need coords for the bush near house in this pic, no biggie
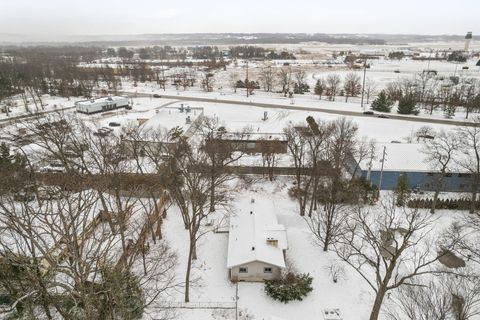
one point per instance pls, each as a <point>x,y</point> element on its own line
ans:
<point>448,204</point>
<point>290,287</point>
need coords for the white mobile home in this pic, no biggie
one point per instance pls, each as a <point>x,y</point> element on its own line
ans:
<point>256,246</point>
<point>101,104</point>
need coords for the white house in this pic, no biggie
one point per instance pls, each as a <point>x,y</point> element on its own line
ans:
<point>101,104</point>
<point>256,246</point>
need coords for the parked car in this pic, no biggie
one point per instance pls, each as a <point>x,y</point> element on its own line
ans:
<point>114,124</point>
<point>129,107</point>
<point>370,113</point>
<point>383,116</point>
<point>157,96</point>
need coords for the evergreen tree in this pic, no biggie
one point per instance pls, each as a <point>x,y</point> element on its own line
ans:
<point>6,158</point>
<point>402,191</point>
<point>290,287</point>
<point>382,103</point>
<point>320,88</point>
<point>407,104</point>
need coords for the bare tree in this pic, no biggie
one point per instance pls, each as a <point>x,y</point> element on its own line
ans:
<point>469,137</point>
<point>389,248</point>
<point>333,83</point>
<point>234,78</point>
<point>352,85</point>
<point>285,79</point>
<point>370,89</point>
<point>422,302</point>
<point>189,184</point>
<point>297,136</point>
<point>220,153</point>
<point>208,81</point>
<point>440,153</point>
<point>443,297</point>
<point>267,77</point>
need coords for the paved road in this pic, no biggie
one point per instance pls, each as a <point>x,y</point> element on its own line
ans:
<point>306,108</point>
<point>4,122</point>
<point>7,121</point>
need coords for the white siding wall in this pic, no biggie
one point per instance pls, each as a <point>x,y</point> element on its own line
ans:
<point>255,272</point>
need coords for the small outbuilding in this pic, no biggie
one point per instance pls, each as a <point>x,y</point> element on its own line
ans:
<point>257,246</point>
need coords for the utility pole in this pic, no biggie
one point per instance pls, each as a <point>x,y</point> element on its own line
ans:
<point>372,155</point>
<point>236,301</point>
<point>363,86</point>
<point>381,170</point>
<point>246,80</point>
<point>163,78</point>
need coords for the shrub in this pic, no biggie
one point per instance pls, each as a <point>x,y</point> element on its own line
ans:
<point>447,204</point>
<point>290,287</point>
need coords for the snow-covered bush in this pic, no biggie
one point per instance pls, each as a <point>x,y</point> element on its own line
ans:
<point>290,287</point>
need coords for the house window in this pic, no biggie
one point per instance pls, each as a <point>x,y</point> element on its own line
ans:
<point>243,270</point>
<point>272,242</point>
<point>267,270</point>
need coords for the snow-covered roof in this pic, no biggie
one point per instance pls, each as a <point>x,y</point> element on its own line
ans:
<point>401,157</point>
<point>254,136</point>
<point>101,100</point>
<point>248,235</point>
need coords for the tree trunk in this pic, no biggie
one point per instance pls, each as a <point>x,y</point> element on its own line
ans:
<point>377,305</point>
<point>212,194</point>
<point>187,275</point>
<point>326,242</point>
<point>437,192</point>
<point>473,204</point>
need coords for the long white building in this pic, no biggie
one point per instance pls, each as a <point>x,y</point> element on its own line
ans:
<point>101,104</point>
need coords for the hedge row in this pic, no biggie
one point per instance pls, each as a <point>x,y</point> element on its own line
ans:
<point>450,204</point>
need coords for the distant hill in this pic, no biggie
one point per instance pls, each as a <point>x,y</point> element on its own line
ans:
<point>222,39</point>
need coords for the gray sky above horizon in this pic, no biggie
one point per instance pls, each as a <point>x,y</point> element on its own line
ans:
<point>101,17</point>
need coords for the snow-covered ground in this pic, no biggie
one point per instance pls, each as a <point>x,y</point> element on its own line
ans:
<point>350,294</point>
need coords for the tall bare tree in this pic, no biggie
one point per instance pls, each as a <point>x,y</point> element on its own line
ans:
<point>333,83</point>
<point>352,85</point>
<point>469,137</point>
<point>440,154</point>
<point>389,248</point>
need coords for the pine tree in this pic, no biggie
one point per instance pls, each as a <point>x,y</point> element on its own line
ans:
<point>407,104</point>
<point>320,88</point>
<point>402,191</point>
<point>382,103</point>
<point>5,157</point>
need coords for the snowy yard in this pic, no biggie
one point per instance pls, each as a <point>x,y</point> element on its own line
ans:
<point>350,294</point>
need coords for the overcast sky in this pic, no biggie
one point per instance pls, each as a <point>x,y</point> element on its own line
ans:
<point>100,17</point>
